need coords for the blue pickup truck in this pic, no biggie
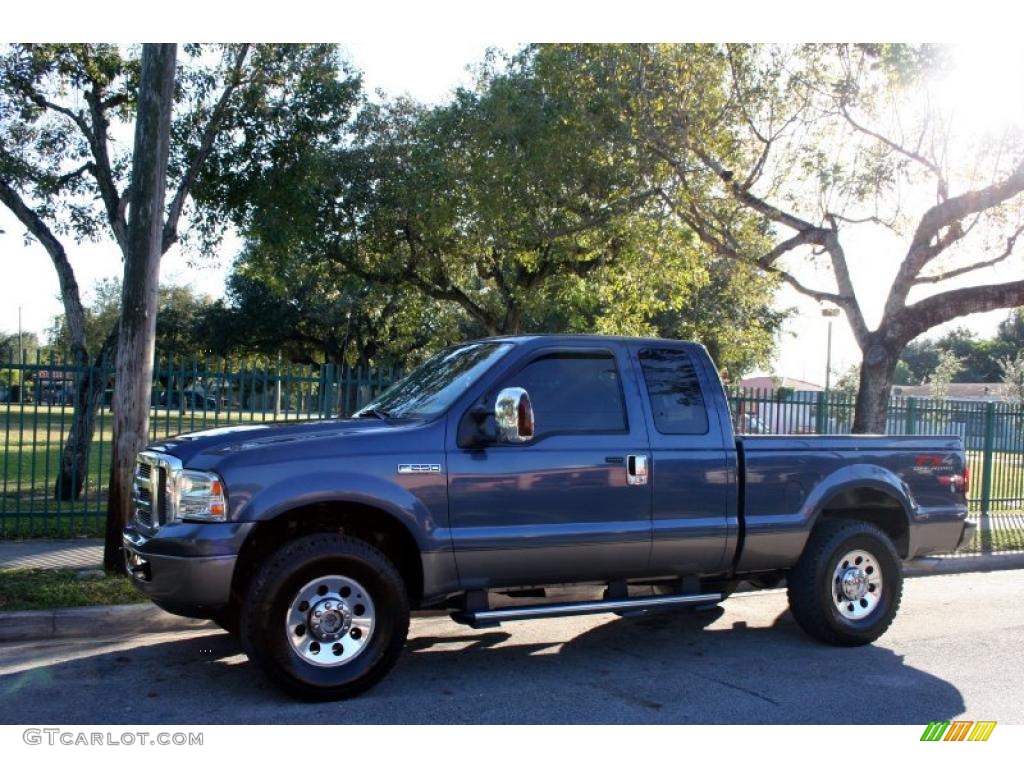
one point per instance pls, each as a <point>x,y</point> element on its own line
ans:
<point>521,478</point>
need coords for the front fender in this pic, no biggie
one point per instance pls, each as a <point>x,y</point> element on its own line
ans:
<point>303,490</point>
<point>421,508</point>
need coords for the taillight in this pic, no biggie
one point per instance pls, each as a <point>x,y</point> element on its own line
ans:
<point>961,483</point>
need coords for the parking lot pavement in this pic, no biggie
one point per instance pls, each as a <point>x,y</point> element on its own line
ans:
<point>955,651</point>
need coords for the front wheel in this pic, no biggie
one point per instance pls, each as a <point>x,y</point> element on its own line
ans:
<point>326,616</point>
<point>846,587</point>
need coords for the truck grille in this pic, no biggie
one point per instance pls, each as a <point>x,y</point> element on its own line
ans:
<point>152,488</point>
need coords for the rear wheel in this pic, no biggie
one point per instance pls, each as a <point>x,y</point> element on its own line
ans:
<point>326,616</point>
<point>847,585</point>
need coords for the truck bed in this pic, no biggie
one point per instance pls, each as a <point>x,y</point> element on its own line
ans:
<point>906,483</point>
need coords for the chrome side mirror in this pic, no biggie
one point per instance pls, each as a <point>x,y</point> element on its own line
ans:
<point>513,415</point>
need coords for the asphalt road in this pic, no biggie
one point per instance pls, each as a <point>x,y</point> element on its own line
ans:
<point>956,650</point>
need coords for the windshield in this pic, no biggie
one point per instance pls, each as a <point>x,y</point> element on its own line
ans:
<point>429,389</point>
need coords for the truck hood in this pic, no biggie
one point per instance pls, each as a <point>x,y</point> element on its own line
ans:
<point>226,441</point>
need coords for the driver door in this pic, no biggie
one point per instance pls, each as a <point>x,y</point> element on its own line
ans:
<point>563,506</point>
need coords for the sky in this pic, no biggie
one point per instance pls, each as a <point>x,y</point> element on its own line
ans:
<point>427,71</point>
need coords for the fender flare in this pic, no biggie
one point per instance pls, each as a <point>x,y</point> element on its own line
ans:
<point>342,487</point>
<point>853,477</point>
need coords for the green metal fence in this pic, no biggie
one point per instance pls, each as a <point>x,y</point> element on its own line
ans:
<point>36,408</point>
<point>36,413</point>
<point>992,434</point>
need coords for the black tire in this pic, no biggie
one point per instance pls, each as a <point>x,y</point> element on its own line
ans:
<point>228,619</point>
<point>270,596</point>
<point>816,597</point>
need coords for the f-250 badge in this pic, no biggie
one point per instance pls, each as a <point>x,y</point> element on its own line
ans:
<point>418,469</point>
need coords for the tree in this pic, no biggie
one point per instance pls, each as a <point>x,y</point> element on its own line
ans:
<point>10,345</point>
<point>16,350</point>
<point>808,145</point>
<point>99,319</point>
<point>180,311</point>
<point>1013,375</point>
<point>239,109</point>
<point>519,203</point>
<point>498,201</point>
<point>143,247</point>
<point>979,358</point>
<point>847,383</point>
<point>946,369</point>
<point>281,301</point>
<point>1011,330</point>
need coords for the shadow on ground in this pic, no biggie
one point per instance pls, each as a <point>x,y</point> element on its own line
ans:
<point>666,668</point>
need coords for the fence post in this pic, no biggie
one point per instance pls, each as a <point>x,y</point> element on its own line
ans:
<point>911,415</point>
<point>821,422</point>
<point>323,398</point>
<point>277,388</point>
<point>986,466</point>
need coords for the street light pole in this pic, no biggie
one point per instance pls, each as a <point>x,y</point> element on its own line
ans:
<point>829,312</point>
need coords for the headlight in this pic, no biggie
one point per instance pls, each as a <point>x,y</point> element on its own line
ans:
<point>201,496</point>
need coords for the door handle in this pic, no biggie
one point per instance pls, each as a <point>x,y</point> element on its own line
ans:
<point>636,469</point>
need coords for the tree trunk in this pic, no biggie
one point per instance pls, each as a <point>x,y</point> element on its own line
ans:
<point>137,333</point>
<point>74,458</point>
<point>876,374</point>
<point>88,395</point>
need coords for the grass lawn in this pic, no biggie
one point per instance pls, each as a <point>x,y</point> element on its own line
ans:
<point>26,589</point>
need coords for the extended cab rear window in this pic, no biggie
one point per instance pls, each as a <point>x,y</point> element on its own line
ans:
<point>674,391</point>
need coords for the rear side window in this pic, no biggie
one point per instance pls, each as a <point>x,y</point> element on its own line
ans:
<point>676,399</point>
<point>573,392</point>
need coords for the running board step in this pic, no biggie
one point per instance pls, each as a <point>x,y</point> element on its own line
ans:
<point>635,605</point>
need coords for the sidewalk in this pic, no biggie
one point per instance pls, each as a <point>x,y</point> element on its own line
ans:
<point>78,554</point>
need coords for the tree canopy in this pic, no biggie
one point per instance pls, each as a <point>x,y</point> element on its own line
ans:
<point>518,206</point>
<point>775,154</point>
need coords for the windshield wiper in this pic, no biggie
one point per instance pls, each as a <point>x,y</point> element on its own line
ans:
<point>376,413</point>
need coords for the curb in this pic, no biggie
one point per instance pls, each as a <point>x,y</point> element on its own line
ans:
<point>112,621</point>
<point>108,621</point>
<point>939,566</point>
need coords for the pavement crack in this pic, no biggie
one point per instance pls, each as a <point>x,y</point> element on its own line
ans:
<point>739,688</point>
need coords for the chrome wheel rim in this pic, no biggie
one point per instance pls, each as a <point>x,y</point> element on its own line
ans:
<point>330,621</point>
<point>856,585</point>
